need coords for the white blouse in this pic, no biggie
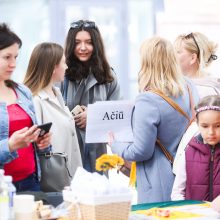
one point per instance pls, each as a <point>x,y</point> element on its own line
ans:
<point>179,185</point>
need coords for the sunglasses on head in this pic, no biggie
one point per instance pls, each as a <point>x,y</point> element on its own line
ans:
<point>212,57</point>
<point>192,36</point>
<point>83,24</point>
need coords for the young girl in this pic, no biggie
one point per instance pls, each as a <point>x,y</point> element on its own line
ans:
<point>198,176</point>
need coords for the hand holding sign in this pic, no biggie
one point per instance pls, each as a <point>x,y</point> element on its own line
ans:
<point>106,116</point>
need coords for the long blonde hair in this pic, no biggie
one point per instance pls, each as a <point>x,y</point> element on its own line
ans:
<point>199,44</point>
<point>43,61</point>
<point>159,68</point>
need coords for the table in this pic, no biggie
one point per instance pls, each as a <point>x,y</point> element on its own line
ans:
<point>182,209</point>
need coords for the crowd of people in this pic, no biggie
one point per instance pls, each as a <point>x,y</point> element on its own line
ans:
<point>176,119</point>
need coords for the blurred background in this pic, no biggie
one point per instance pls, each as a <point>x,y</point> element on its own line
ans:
<point>124,25</point>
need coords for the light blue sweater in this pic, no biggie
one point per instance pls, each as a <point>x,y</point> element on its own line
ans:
<point>155,118</point>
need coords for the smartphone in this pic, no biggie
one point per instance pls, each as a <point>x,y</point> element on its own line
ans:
<point>77,109</point>
<point>45,128</point>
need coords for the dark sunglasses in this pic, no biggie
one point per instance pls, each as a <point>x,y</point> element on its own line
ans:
<point>83,24</point>
<point>192,36</point>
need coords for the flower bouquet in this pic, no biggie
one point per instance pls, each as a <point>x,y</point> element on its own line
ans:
<point>107,162</point>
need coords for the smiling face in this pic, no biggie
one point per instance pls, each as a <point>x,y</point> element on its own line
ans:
<point>84,47</point>
<point>209,126</point>
<point>8,57</point>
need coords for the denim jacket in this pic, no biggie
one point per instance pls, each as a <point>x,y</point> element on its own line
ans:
<point>24,100</point>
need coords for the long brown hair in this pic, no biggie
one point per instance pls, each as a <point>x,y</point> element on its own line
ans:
<point>43,61</point>
<point>97,65</point>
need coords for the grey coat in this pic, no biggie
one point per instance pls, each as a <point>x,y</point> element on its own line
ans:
<point>85,92</point>
<point>155,118</point>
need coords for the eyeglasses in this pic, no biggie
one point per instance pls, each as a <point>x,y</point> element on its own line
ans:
<point>83,24</point>
<point>192,36</point>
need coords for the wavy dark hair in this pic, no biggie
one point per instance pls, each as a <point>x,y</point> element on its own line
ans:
<point>8,38</point>
<point>97,64</point>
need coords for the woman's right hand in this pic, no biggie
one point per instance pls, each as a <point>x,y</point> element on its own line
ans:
<point>111,138</point>
<point>23,137</point>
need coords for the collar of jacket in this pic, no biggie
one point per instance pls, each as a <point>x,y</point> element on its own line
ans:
<point>44,96</point>
<point>90,81</point>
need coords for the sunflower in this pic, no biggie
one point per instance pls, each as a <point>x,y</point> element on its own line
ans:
<point>106,162</point>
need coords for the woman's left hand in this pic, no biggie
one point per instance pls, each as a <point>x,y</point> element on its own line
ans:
<point>44,141</point>
<point>81,118</point>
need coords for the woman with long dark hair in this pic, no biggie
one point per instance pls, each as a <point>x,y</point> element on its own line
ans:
<point>89,78</point>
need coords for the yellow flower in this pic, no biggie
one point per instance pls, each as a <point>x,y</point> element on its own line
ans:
<point>106,162</point>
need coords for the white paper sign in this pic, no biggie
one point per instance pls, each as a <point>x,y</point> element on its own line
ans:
<point>106,116</point>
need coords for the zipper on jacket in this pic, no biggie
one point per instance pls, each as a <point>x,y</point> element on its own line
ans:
<point>211,174</point>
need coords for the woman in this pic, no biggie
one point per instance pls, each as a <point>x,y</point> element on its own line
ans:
<point>196,53</point>
<point>155,119</point>
<point>89,78</point>
<point>40,77</point>
<point>17,120</point>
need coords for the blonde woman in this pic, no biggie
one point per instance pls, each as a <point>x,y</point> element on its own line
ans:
<point>196,53</point>
<point>46,67</point>
<point>155,119</point>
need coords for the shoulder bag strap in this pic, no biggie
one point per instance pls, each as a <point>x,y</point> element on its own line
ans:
<point>172,103</point>
<point>180,110</point>
<point>165,151</point>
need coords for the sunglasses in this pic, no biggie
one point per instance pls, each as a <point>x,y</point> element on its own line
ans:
<point>83,24</point>
<point>192,36</point>
<point>212,57</point>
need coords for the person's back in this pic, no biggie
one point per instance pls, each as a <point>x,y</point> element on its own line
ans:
<point>154,118</point>
<point>169,126</point>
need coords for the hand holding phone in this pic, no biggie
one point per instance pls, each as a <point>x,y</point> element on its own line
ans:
<point>45,128</point>
<point>77,110</point>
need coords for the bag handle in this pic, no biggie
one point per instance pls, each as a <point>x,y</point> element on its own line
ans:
<point>181,111</point>
<point>51,153</point>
